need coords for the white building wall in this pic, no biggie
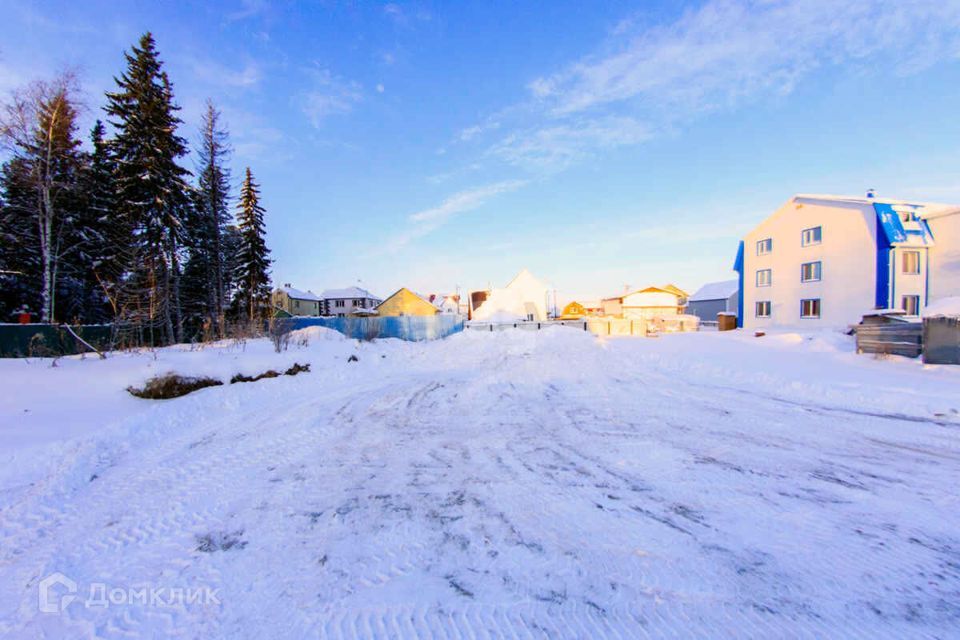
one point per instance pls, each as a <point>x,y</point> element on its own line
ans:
<point>945,256</point>
<point>847,254</point>
<point>905,284</point>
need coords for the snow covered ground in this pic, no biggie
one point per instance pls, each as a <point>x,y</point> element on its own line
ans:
<point>506,484</point>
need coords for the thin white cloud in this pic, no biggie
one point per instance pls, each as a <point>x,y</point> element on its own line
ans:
<point>428,220</point>
<point>730,50</point>
<point>647,79</point>
<point>644,80</point>
<point>557,146</point>
<point>248,9</point>
<point>465,201</point>
<point>330,96</point>
<point>469,133</point>
<point>214,73</point>
<point>405,17</point>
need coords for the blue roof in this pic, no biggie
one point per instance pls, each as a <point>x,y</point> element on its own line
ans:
<point>888,219</point>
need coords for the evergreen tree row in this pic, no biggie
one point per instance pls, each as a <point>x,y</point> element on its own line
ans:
<point>120,233</point>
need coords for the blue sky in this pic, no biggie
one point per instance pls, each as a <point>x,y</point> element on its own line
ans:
<point>434,145</point>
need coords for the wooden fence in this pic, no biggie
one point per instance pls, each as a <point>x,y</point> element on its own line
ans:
<point>901,339</point>
<point>941,340</point>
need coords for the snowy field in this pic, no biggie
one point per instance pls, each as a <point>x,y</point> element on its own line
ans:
<point>509,484</point>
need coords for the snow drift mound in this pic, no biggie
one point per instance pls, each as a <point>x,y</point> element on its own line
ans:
<point>316,334</point>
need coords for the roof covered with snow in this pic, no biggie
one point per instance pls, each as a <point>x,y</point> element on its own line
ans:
<point>297,294</point>
<point>715,291</point>
<point>349,292</point>
<point>943,307</point>
<point>931,209</point>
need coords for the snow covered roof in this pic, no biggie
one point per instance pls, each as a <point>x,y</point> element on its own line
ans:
<point>672,288</point>
<point>297,294</point>
<point>927,209</point>
<point>525,279</point>
<point>715,291</point>
<point>949,306</point>
<point>349,292</point>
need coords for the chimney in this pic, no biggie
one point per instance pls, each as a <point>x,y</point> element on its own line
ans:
<point>871,193</point>
<point>286,285</point>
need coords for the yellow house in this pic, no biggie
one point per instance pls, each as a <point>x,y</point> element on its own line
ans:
<point>406,303</point>
<point>573,311</point>
<point>680,293</point>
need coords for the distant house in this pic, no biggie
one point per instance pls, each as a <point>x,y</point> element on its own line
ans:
<point>682,296</point>
<point>406,303</point>
<point>445,302</point>
<point>524,298</point>
<point>592,307</point>
<point>344,302</point>
<point>296,302</point>
<point>573,311</point>
<point>714,298</point>
<point>652,302</point>
<point>581,309</point>
<point>826,260</point>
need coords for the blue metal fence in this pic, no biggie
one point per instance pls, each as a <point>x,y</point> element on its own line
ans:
<point>413,328</point>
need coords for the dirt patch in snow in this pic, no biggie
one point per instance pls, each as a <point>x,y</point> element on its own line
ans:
<point>172,385</point>
<point>270,373</point>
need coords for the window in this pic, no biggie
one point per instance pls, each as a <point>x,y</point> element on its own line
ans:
<point>810,272</point>
<point>358,303</point>
<point>911,305</point>
<point>810,308</point>
<point>296,304</point>
<point>911,262</point>
<point>339,303</point>
<point>763,308</point>
<point>811,236</point>
<point>764,278</point>
<point>764,246</point>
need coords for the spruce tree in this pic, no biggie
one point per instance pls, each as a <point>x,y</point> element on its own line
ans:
<point>19,244</point>
<point>152,194</point>
<point>212,213</point>
<point>109,236</point>
<point>253,264</point>
<point>99,260</point>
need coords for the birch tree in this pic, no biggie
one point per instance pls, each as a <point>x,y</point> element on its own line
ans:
<point>38,127</point>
